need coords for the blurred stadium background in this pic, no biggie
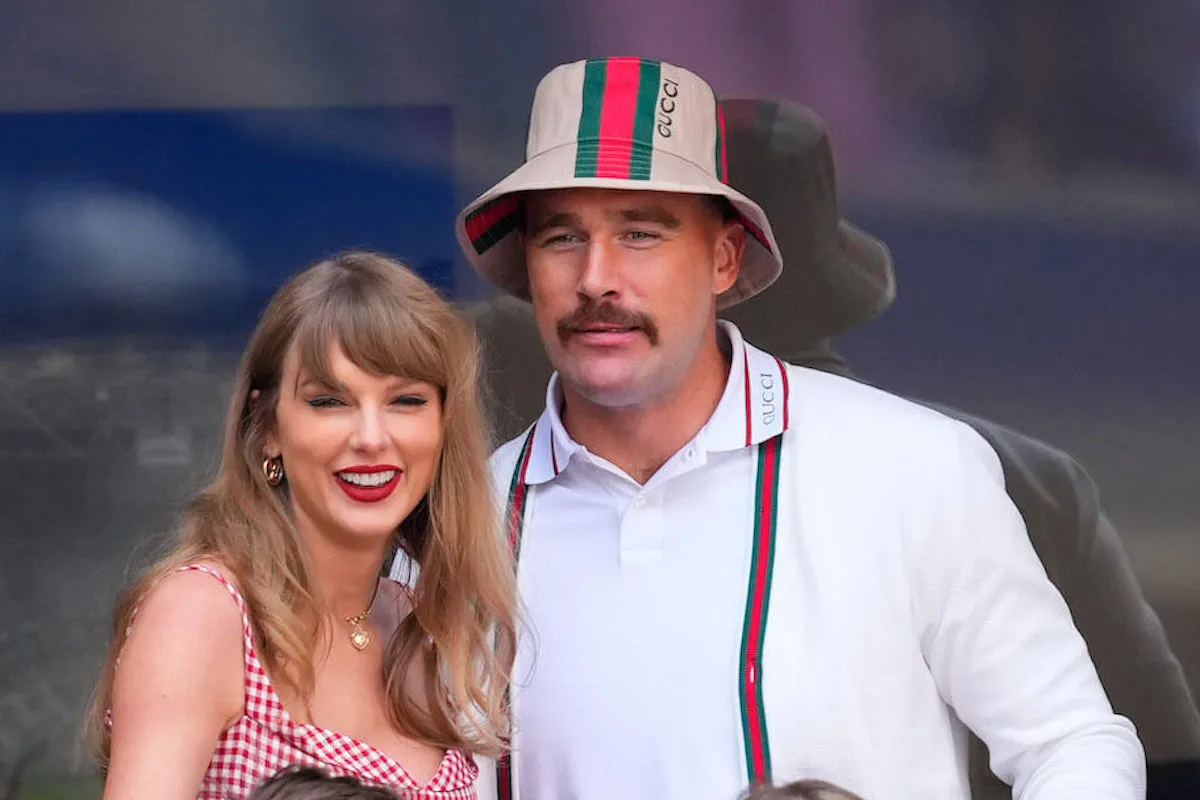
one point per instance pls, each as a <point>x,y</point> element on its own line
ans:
<point>1035,168</point>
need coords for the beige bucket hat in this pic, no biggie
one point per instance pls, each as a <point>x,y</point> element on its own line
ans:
<point>616,123</point>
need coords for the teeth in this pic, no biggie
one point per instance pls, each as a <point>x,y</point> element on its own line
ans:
<point>368,478</point>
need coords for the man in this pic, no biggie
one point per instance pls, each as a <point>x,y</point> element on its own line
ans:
<point>837,277</point>
<point>736,570</point>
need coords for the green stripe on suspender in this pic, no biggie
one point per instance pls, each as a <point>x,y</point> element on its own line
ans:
<point>756,740</point>
<point>758,596</point>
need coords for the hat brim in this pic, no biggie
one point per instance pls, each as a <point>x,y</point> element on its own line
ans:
<point>865,277</point>
<point>487,227</point>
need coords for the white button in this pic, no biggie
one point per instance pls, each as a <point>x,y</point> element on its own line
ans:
<point>639,501</point>
<point>689,453</point>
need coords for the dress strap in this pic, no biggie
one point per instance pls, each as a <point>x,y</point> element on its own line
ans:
<point>247,628</point>
<point>263,703</point>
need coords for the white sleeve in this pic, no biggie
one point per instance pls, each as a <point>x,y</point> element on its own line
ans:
<point>1001,645</point>
<point>405,569</point>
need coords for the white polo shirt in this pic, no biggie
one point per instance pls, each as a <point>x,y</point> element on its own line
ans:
<point>903,581</point>
<point>635,597</point>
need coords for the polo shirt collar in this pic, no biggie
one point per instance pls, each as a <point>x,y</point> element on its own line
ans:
<point>754,406</point>
<point>552,446</point>
<point>752,409</point>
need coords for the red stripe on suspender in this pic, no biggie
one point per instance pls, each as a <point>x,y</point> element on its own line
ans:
<point>783,372</point>
<point>749,426</point>
<point>755,734</point>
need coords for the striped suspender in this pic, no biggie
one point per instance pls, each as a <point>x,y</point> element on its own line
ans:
<point>518,491</point>
<point>758,598</point>
<point>754,724</point>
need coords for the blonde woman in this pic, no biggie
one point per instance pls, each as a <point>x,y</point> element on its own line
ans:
<point>267,638</point>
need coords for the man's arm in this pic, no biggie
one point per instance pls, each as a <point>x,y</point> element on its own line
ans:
<point>1136,665</point>
<point>1002,647</point>
<point>1085,559</point>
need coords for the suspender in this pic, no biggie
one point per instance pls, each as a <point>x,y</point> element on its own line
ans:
<point>758,599</point>
<point>758,595</point>
<point>518,491</point>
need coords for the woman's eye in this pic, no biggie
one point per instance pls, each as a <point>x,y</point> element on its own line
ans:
<point>411,400</point>
<point>325,402</point>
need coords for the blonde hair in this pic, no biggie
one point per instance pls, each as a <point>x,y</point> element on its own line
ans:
<point>389,322</point>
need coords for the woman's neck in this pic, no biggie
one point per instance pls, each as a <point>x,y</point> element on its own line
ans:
<point>346,578</point>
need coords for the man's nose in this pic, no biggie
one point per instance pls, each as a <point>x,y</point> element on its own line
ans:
<point>601,270</point>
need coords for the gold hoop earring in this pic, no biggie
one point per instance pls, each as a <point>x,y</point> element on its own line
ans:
<point>273,470</point>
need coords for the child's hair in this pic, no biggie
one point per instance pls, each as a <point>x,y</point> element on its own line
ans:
<point>308,783</point>
<point>802,790</point>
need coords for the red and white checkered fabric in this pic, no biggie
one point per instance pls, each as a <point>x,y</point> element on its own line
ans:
<point>267,739</point>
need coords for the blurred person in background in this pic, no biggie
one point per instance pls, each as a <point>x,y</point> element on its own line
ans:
<point>735,569</point>
<point>836,277</point>
<point>267,637</point>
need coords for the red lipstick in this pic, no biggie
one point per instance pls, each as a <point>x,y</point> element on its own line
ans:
<point>369,484</point>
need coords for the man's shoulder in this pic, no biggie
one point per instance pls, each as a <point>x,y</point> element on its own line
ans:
<point>1014,446</point>
<point>836,400</point>
<point>875,427</point>
<point>1039,476</point>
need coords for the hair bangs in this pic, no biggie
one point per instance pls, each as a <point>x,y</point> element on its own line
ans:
<point>375,330</point>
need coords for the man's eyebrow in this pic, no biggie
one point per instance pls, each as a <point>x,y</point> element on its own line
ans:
<point>557,219</point>
<point>654,214</point>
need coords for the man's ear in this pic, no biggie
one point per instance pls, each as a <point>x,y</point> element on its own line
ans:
<point>729,248</point>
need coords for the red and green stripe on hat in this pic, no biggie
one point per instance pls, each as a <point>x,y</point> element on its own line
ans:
<point>624,101</point>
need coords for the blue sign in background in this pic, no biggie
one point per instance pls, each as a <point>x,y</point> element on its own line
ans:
<point>182,223</point>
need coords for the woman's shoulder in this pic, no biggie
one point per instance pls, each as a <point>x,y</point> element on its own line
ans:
<point>183,649</point>
<point>197,602</point>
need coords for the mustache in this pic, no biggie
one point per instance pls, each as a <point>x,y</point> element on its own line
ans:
<point>606,313</point>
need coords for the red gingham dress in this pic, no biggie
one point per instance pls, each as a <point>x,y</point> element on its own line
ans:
<point>266,739</point>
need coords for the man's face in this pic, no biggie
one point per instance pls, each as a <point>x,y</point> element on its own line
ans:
<point>624,286</point>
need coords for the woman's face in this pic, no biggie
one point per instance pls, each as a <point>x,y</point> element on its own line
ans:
<point>358,455</point>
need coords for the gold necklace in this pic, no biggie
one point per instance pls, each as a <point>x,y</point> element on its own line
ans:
<point>360,635</point>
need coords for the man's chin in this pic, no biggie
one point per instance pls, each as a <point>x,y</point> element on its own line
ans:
<point>610,391</point>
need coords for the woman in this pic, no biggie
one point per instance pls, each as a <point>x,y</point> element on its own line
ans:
<point>267,638</point>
